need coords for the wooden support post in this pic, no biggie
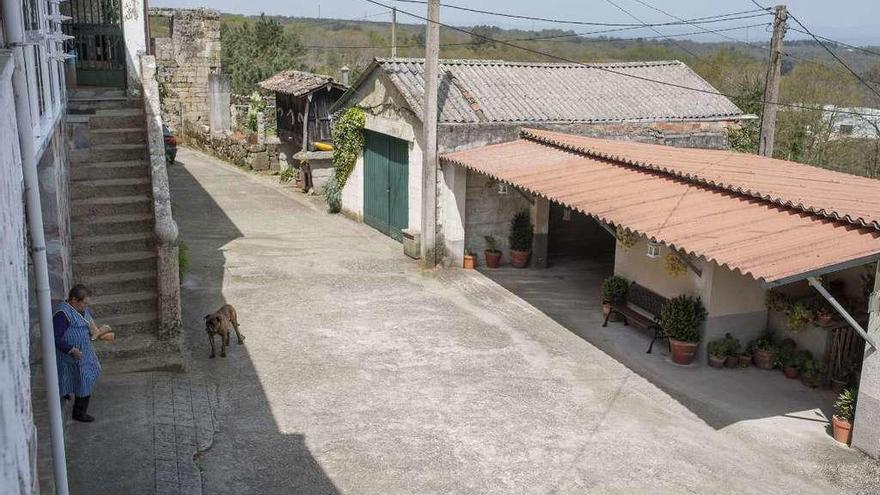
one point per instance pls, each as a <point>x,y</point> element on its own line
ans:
<point>771,84</point>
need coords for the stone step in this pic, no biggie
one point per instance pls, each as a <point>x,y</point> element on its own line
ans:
<point>80,103</point>
<point>85,93</point>
<point>114,243</point>
<point>108,153</point>
<point>110,170</point>
<point>124,303</point>
<point>131,323</point>
<point>115,119</point>
<point>138,353</point>
<point>119,205</point>
<point>113,224</point>
<point>99,264</point>
<point>107,188</point>
<point>115,283</point>
<point>126,135</point>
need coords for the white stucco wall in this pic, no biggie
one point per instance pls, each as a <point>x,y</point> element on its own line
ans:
<point>135,35</point>
<point>17,463</point>
<point>635,265</point>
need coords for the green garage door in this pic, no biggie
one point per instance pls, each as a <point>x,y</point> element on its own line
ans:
<point>386,179</point>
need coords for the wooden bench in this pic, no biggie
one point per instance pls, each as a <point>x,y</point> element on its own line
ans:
<point>647,315</point>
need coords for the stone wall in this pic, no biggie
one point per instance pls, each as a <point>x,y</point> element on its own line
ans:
<point>234,148</point>
<point>17,456</point>
<point>184,62</point>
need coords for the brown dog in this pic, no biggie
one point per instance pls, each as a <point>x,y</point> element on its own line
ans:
<point>218,323</point>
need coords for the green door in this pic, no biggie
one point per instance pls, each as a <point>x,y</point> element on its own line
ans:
<point>386,179</point>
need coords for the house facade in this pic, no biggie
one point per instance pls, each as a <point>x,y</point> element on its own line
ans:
<point>488,101</point>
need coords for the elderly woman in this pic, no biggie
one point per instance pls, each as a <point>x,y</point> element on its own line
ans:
<point>78,366</point>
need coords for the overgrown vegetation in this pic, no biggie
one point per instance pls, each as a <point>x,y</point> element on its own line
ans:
<point>254,50</point>
<point>681,318</point>
<point>348,142</point>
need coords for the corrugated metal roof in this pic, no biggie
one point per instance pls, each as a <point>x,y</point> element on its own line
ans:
<point>297,83</point>
<point>474,91</point>
<point>836,195</point>
<point>771,242</point>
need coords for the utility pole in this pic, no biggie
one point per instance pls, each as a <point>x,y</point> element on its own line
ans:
<point>429,124</point>
<point>393,32</point>
<point>771,84</point>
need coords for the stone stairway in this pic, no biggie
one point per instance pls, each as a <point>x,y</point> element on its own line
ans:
<point>114,245</point>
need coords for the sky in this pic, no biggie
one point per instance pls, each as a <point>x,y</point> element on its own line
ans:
<point>850,21</point>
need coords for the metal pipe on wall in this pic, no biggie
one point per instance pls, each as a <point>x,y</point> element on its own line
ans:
<point>13,31</point>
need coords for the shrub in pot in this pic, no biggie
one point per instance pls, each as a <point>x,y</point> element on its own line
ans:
<point>792,365</point>
<point>785,353</point>
<point>844,413</point>
<point>492,253</point>
<point>614,290</point>
<point>732,349</point>
<point>799,316</point>
<point>520,238</point>
<point>717,350</point>
<point>681,318</point>
<point>763,351</point>
<point>745,359</point>
<point>811,371</point>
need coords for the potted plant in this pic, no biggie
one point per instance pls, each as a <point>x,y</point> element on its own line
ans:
<point>763,351</point>
<point>745,359</point>
<point>777,301</point>
<point>681,318</point>
<point>717,350</point>
<point>520,239</point>
<point>844,413</point>
<point>613,292</point>
<point>811,371</point>
<point>785,351</point>
<point>492,253</point>
<point>823,316</point>
<point>793,364</point>
<point>799,316</point>
<point>732,350</point>
<point>470,260</point>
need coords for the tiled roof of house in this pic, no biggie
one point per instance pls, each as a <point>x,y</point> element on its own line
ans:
<point>473,91</point>
<point>765,218</point>
<point>297,83</point>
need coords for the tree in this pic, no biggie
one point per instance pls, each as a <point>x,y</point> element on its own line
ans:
<point>484,37</point>
<point>254,51</point>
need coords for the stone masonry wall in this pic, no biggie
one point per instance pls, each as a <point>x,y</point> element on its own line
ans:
<point>184,61</point>
<point>18,454</point>
<point>233,148</point>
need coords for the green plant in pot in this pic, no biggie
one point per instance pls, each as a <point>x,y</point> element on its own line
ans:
<point>717,350</point>
<point>799,316</point>
<point>614,290</point>
<point>785,353</point>
<point>763,351</point>
<point>520,238</point>
<point>732,351</point>
<point>681,318</point>
<point>492,253</point>
<point>811,372</point>
<point>844,413</point>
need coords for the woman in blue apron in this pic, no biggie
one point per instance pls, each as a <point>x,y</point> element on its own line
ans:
<point>78,366</point>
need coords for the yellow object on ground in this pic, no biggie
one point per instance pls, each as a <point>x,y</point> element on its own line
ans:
<point>323,146</point>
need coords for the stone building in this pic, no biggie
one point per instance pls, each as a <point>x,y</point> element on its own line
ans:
<point>187,53</point>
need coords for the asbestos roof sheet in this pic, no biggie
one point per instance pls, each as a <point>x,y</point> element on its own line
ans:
<point>770,242</point>
<point>473,91</point>
<point>297,83</point>
<point>836,195</point>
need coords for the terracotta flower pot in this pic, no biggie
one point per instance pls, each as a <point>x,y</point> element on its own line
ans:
<point>470,262</point>
<point>842,430</point>
<point>790,372</point>
<point>745,360</point>
<point>763,359</point>
<point>683,352</point>
<point>519,259</point>
<point>716,362</point>
<point>731,362</point>
<point>493,258</point>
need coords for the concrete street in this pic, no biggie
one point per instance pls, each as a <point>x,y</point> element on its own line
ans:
<point>362,374</point>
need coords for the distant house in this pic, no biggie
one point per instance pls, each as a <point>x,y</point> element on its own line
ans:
<point>303,102</point>
<point>489,101</point>
<point>852,122</point>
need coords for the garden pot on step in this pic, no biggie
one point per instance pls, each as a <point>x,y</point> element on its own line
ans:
<point>519,259</point>
<point>790,372</point>
<point>716,362</point>
<point>763,359</point>
<point>842,430</point>
<point>493,258</point>
<point>470,262</point>
<point>731,362</point>
<point>683,352</point>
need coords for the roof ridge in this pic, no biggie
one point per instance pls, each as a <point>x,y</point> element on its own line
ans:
<point>531,134</point>
<point>516,63</point>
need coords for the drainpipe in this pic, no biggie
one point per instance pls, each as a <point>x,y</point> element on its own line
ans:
<point>13,30</point>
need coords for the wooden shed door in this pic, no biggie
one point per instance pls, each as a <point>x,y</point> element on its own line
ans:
<point>386,179</point>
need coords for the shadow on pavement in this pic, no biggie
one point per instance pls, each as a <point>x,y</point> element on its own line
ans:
<point>246,422</point>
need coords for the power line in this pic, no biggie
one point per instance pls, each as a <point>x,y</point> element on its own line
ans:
<point>831,52</point>
<point>680,46</point>
<point>555,38</point>
<point>854,47</point>
<point>600,68</point>
<point>707,19</point>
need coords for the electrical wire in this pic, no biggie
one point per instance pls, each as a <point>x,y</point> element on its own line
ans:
<point>679,45</point>
<point>854,47</point>
<point>600,68</point>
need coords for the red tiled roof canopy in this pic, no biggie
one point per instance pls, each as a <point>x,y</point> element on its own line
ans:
<point>775,242</point>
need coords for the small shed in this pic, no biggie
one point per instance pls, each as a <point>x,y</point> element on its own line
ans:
<point>303,101</point>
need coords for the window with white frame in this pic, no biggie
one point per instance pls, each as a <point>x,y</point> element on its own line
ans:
<point>43,74</point>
